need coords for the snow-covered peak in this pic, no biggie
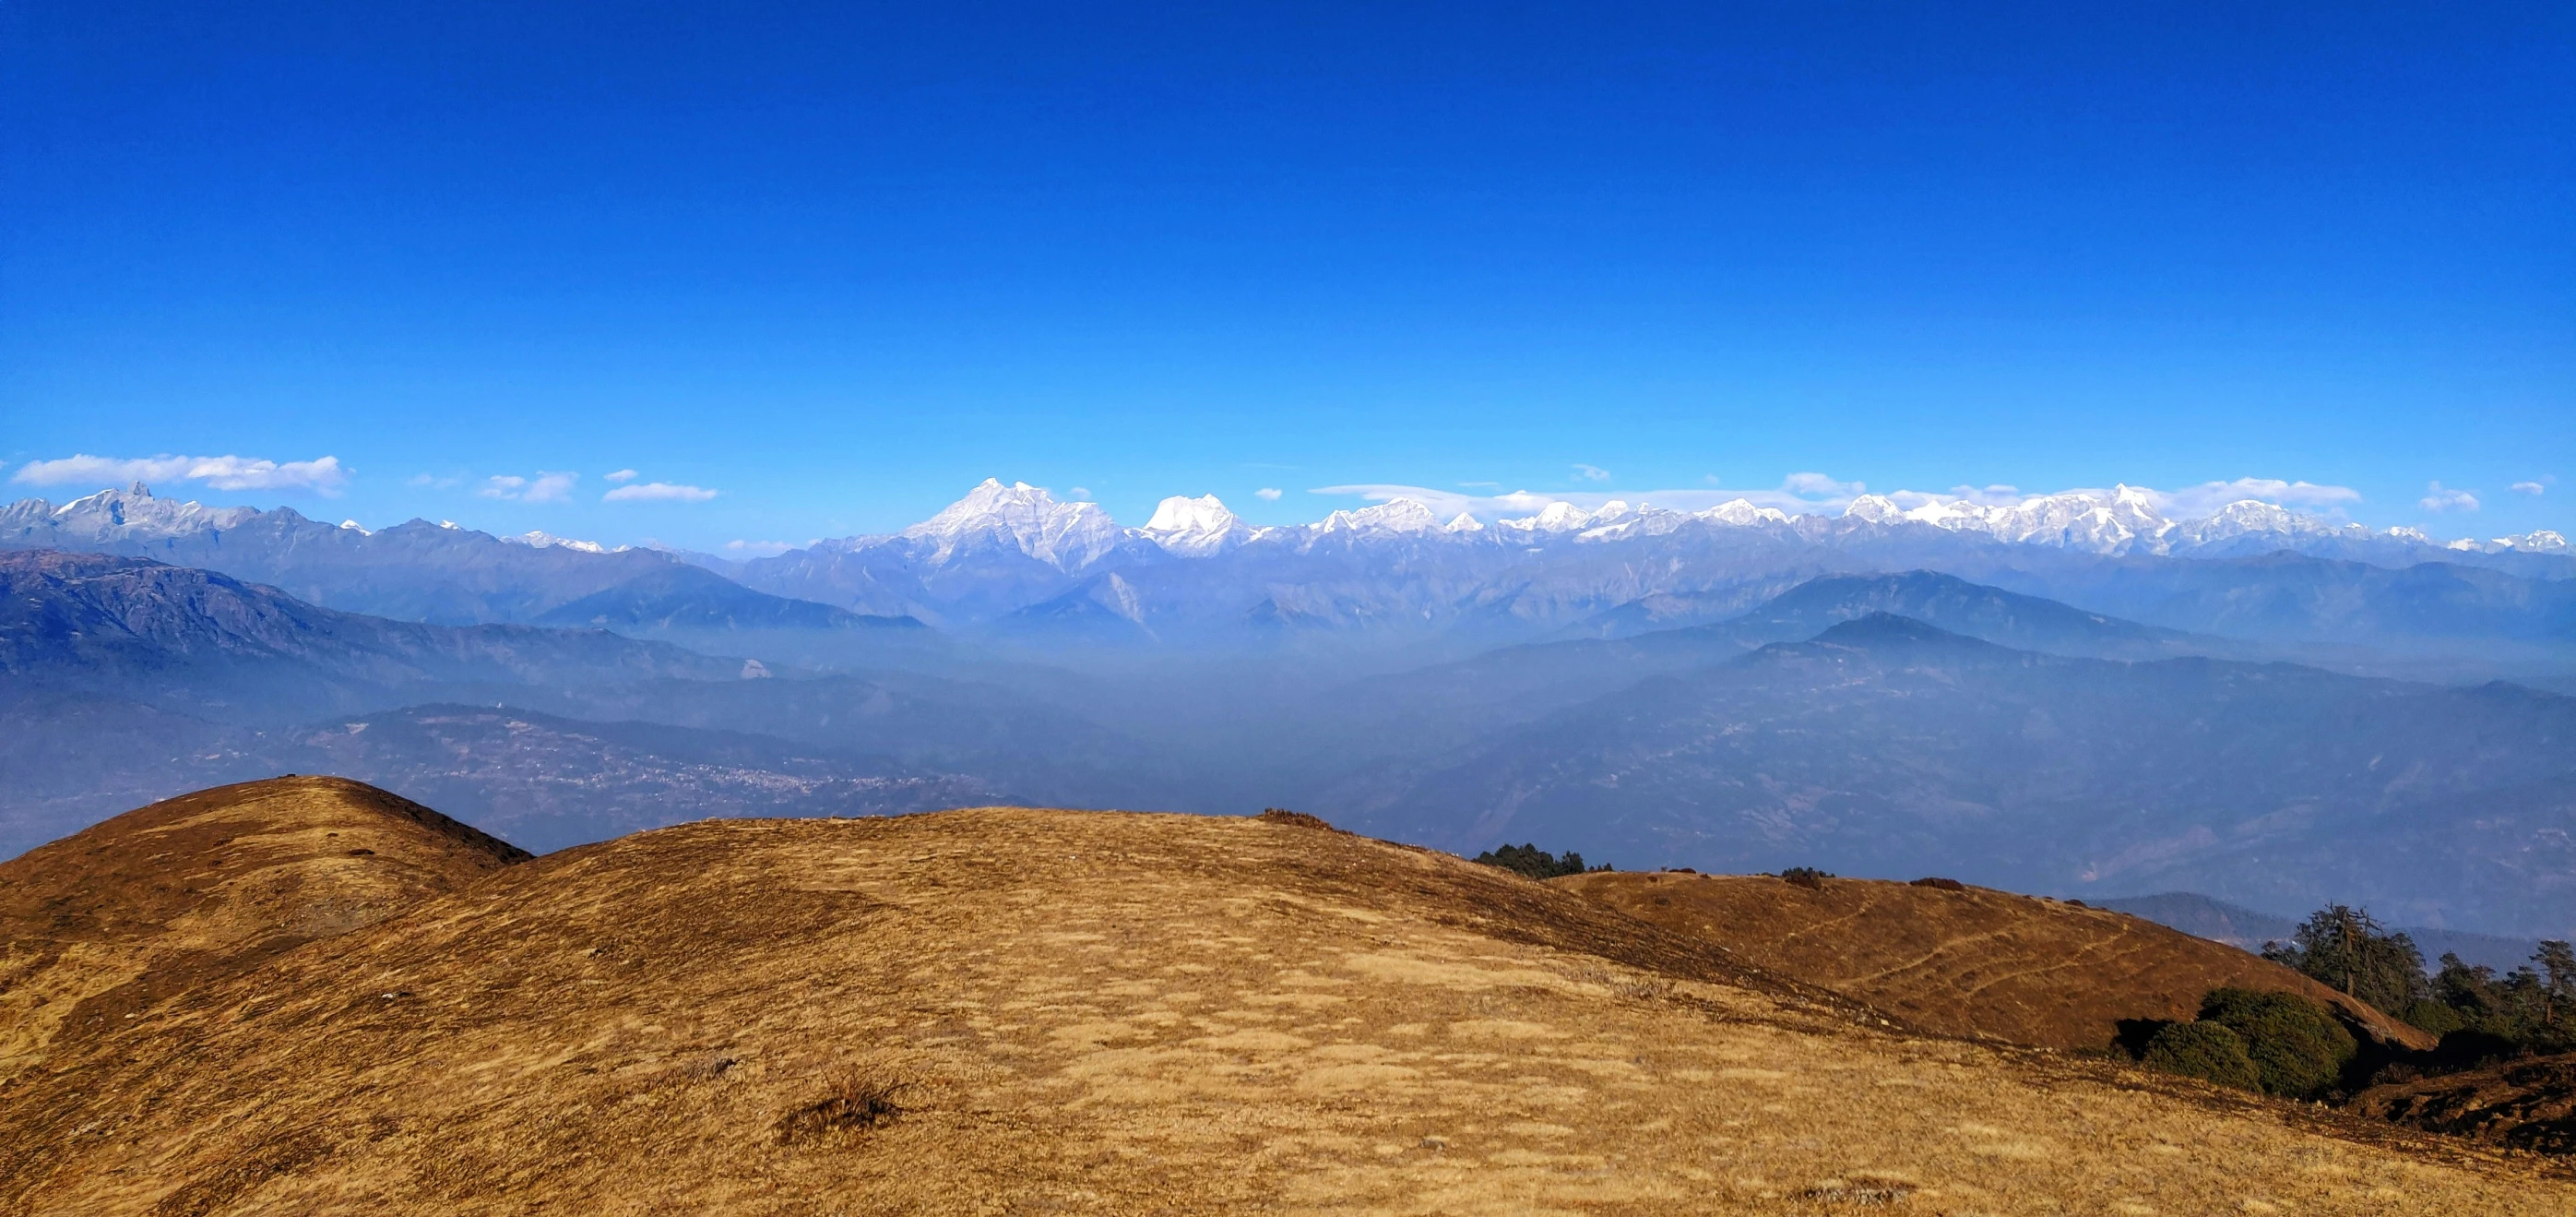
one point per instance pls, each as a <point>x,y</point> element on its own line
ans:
<point>1400,516</point>
<point>1465,523</point>
<point>1194,527</point>
<point>1180,513</point>
<point>536,539</point>
<point>1742,512</point>
<point>1019,516</point>
<point>135,514</point>
<point>2541,542</point>
<point>2252,517</point>
<point>1875,508</point>
<point>1559,516</point>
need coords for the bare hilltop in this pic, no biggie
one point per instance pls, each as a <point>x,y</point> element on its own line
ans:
<point>1005,1010</point>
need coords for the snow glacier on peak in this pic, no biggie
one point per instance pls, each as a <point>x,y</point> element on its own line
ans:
<point>1067,536</point>
<point>540,539</point>
<point>1875,508</point>
<point>135,513</point>
<point>1194,527</point>
<point>1396,515</point>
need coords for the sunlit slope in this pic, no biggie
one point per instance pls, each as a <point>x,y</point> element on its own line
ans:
<point>1111,1013</point>
<point>104,925</point>
<point>1970,961</point>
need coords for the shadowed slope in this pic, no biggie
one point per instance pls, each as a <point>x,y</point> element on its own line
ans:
<point>2526,1104</point>
<point>1020,1011</point>
<point>103,925</point>
<point>1972,962</point>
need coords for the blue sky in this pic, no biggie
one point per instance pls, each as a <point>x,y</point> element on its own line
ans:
<point>837,263</point>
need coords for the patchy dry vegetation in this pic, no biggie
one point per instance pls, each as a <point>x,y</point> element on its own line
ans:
<point>104,924</point>
<point>1015,1011</point>
<point>1969,961</point>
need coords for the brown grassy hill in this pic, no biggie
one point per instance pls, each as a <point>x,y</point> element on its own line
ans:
<point>1012,1011</point>
<point>102,925</point>
<point>1973,961</point>
<point>2527,1104</point>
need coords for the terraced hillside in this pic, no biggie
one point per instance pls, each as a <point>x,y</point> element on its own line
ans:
<point>1017,1011</point>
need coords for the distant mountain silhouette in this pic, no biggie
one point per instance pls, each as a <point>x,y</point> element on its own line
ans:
<point>2241,927</point>
<point>1887,746</point>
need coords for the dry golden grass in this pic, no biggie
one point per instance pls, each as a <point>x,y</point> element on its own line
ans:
<point>103,924</point>
<point>1971,961</point>
<point>1012,1011</point>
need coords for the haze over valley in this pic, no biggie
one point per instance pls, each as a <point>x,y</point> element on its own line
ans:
<point>2080,697</point>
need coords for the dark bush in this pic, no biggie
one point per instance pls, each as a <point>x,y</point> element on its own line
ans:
<point>2205,1050</point>
<point>2299,1050</point>
<point>1807,877</point>
<point>2435,1017</point>
<point>1534,862</point>
<point>2471,1048</point>
<point>853,1102</point>
<point>1947,885</point>
<point>1296,819</point>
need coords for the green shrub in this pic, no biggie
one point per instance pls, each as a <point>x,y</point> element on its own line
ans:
<point>1534,862</point>
<point>2299,1050</point>
<point>2208,1051</point>
<point>2435,1017</point>
<point>1807,876</point>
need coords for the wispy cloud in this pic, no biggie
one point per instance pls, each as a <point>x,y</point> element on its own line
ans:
<point>1267,494</point>
<point>658,492</point>
<point>546,487</point>
<point>1591,473</point>
<point>623,475</point>
<point>323,475</point>
<point>1818,486</point>
<point>757,549</point>
<point>2438,497</point>
<point>2208,497</point>
<point>2530,487</point>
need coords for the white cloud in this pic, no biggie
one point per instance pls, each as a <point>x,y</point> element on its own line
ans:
<point>2529,488</point>
<point>624,475</point>
<point>1267,494</point>
<point>1591,473</point>
<point>2437,498</point>
<point>2207,497</point>
<point>1818,486</point>
<point>658,492</point>
<point>431,481</point>
<point>323,476</point>
<point>544,488</point>
<point>1078,492</point>
<point>758,549</point>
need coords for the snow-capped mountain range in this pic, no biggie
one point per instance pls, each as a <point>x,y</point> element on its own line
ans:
<point>1072,535</point>
<point>1015,559</point>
